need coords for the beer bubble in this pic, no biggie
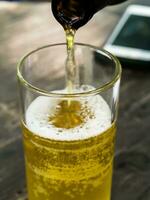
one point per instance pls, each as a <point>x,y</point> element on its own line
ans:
<point>97,117</point>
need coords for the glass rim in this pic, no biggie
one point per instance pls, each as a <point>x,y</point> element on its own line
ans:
<point>106,86</point>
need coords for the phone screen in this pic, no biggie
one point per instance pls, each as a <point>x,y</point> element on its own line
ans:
<point>135,33</point>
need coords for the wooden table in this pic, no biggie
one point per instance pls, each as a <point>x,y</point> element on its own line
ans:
<point>26,26</point>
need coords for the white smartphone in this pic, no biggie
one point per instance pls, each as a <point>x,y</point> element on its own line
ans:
<point>131,38</point>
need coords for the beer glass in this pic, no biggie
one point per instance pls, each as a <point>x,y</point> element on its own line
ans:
<point>69,137</point>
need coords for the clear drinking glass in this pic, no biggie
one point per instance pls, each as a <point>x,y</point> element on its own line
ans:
<point>69,138</point>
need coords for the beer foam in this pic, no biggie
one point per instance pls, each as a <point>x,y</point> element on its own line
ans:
<point>39,111</point>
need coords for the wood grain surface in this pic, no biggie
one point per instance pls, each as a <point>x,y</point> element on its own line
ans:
<point>26,26</point>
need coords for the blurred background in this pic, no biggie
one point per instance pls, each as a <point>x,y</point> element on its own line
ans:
<point>26,25</point>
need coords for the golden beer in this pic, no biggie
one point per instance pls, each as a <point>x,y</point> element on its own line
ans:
<point>79,169</point>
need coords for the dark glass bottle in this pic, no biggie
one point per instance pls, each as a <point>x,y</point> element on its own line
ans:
<point>75,13</point>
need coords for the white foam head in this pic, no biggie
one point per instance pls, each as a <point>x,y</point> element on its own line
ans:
<point>38,112</point>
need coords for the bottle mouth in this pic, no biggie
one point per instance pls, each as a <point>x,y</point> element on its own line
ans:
<point>106,86</point>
